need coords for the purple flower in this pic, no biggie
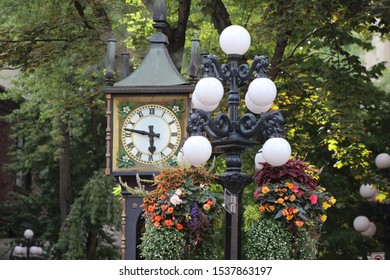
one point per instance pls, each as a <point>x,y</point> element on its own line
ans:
<point>194,216</point>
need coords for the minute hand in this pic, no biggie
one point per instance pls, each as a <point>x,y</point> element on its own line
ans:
<point>137,131</point>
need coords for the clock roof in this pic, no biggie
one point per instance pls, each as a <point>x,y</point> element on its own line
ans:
<point>156,69</point>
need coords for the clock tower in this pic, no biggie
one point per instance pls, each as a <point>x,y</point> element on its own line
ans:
<point>146,122</point>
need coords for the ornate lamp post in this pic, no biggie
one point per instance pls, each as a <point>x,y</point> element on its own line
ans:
<point>26,249</point>
<point>231,134</point>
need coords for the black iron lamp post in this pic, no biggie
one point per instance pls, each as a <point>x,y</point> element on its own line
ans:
<point>27,248</point>
<point>232,134</point>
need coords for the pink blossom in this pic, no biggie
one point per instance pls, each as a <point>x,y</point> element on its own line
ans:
<point>313,199</point>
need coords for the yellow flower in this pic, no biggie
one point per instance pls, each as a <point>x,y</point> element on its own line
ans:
<point>325,205</point>
<point>272,208</point>
<point>332,200</point>
<point>323,218</point>
<point>292,197</point>
<point>280,200</point>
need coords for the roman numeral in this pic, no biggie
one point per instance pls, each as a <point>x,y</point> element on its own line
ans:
<point>139,154</point>
<point>130,145</point>
<point>174,134</point>
<point>171,122</point>
<point>152,111</point>
<point>150,157</point>
<point>140,114</point>
<point>171,145</point>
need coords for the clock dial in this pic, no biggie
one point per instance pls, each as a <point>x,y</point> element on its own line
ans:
<point>151,134</point>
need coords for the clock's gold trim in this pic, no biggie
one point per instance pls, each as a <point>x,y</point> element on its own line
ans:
<point>146,157</point>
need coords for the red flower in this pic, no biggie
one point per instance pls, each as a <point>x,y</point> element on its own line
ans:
<point>313,199</point>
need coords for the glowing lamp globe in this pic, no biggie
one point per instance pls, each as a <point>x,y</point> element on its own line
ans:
<point>256,109</point>
<point>197,150</point>
<point>28,234</point>
<point>209,91</point>
<point>199,105</point>
<point>262,91</point>
<point>367,191</point>
<point>361,223</point>
<point>258,160</point>
<point>276,151</point>
<point>370,231</point>
<point>235,39</point>
<point>382,160</point>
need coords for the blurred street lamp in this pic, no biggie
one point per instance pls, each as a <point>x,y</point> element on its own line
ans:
<point>26,249</point>
<point>372,207</point>
<point>232,134</point>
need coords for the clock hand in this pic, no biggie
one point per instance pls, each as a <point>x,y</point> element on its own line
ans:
<point>137,131</point>
<point>152,148</point>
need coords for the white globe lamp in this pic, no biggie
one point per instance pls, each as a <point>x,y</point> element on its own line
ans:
<point>258,160</point>
<point>367,191</point>
<point>361,223</point>
<point>235,39</point>
<point>209,91</point>
<point>256,109</point>
<point>28,234</point>
<point>199,105</point>
<point>19,250</point>
<point>262,91</point>
<point>370,231</point>
<point>382,160</point>
<point>276,151</point>
<point>197,150</point>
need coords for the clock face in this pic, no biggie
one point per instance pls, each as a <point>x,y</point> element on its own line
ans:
<point>151,134</point>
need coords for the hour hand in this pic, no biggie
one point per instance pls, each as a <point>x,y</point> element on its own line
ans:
<point>137,131</point>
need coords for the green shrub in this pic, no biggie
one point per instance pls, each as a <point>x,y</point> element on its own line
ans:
<point>268,240</point>
<point>162,243</point>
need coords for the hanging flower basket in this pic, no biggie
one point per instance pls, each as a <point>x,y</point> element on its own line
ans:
<point>291,193</point>
<point>183,202</point>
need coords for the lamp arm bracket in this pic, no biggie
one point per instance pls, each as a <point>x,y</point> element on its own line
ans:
<point>200,122</point>
<point>270,124</point>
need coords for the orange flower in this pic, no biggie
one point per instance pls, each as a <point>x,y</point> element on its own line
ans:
<point>295,210</point>
<point>151,208</point>
<point>206,207</point>
<point>289,217</point>
<point>280,200</point>
<point>179,226</point>
<point>292,197</point>
<point>162,197</point>
<point>164,207</point>
<point>284,212</point>
<point>210,202</point>
<point>170,210</point>
<point>168,223</point>
<point>157,218</point>
<point>272,208</point>
<point>299,223</point>
<point>156,224</point>
<point>265,189</point>
<point>261,208</point>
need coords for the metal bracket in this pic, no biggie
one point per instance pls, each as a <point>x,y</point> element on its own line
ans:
<point>231,202</point>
